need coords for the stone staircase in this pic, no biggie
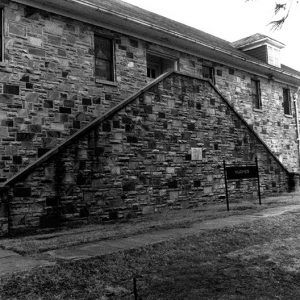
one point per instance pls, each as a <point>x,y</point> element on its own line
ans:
<point>138,158</point>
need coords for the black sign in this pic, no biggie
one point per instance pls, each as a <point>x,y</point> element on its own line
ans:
<point>242,172</point>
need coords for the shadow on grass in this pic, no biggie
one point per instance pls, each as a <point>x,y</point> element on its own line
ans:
<point>195,267</point>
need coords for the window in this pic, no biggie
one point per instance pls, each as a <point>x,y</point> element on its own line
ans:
<point>157,65</point>
<point>208,73</point>
<point>1,35</point>
<point>273,56</point>
<point>287,102</point>
<point>104,58</point>
<point>231,71</point>
<point>255,93</point>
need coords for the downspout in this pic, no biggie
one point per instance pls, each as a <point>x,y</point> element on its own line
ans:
<point>295,97</point>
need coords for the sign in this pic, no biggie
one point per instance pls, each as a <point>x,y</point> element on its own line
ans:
<point>196,153</point>
<point>242,172</point>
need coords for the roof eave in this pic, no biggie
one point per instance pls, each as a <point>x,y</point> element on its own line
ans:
<point>257,43</point>
<point>154,33</point>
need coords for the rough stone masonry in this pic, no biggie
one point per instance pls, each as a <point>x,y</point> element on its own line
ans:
<point>163,148</point>
<point>48,89</point>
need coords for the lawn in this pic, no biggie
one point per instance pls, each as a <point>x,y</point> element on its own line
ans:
<point>166,219</point>
<point>257,260</point>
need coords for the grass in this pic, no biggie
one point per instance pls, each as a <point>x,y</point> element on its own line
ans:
<point>164,220</point>
<point>257,260</point>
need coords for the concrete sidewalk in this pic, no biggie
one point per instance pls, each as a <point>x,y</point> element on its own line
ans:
<point>11,262</point>
<point>140,240</point>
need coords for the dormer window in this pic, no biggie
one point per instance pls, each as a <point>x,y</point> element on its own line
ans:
<point>273,56</point>
<point>262,48</point>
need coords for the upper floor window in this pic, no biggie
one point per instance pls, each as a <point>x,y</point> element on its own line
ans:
<point>1,34</point>
<point>208,73</point>
<point>273,56</point>
<point>157,65</point>
<point>104,61</point>
<point>255,93</point>
<point>287,101</point>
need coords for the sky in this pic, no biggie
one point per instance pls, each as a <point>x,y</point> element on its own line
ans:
<point>233,19</point>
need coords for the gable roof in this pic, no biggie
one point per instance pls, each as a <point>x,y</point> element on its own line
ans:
<point>290,70</point>
<point>257,37</point>
<point>138,13</point>
<point>130,19</point>
<point>127,9</point>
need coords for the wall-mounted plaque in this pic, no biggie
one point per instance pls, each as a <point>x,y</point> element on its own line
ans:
<point>196,153</point>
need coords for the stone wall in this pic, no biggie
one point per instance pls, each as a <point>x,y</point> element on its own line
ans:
<point>141,158</point>
<point>48,88</point>
<point>275,128</point>
<point>4,212</point>
<point>47,83</point>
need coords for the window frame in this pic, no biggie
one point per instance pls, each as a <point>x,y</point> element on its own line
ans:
<point>159,63</point>
<point>256,97</point>
<point>111,79</point>
<point>211,71</point>
<point>286,101</point>
<point>2,33</point>
<point>273,56</point>
<point>153,69</point>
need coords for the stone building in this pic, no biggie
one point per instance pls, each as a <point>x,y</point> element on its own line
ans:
<point>110,111</point>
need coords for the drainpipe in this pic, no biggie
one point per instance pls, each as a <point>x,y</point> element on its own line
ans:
<point>295,97</point>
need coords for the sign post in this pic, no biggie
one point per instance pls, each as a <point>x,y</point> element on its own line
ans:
<point>226,188</point>
<point>258,183</point>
